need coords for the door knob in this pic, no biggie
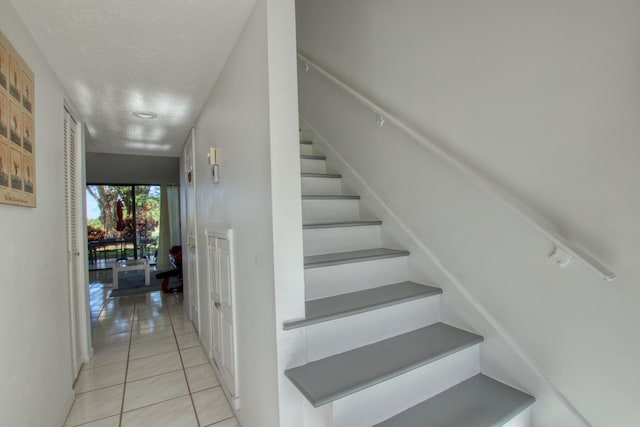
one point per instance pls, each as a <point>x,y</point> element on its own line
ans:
<point>191,246</point>
<point>217,304</point>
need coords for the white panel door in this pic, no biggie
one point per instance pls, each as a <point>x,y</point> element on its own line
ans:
<point>222,310</point>
<point>212,262</point>
<point>225,313</point>
<point>191,276</point>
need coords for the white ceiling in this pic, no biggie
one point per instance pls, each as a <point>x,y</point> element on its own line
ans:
<point>114,57</point>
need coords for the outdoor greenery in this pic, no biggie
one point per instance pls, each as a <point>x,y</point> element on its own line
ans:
<point>147,211</point>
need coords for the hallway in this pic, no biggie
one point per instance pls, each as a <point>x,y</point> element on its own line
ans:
<point>149,368</point>
<point>160,77</point>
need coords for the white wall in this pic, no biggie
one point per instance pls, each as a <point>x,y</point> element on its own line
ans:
<point>105,168</point>
<point>251,117</point>
<point>542,97</point>
<point>286,202</point>
<point>35,361</point>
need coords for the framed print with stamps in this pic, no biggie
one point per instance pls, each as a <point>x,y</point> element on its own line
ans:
<point>4,118</point>
<point>17,129</point>
<point>4,165</point>
<point>4,65</point>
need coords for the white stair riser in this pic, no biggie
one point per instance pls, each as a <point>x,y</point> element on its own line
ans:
<point>340,239</point>
<point>316,417</point>
<point>330,210</point>
<point>306,135</point>
<point>523,419</point>
<point>313,166</point>
<point>306,149</point>
<point>315,185</point>
<point>382,401</point>
<point>340,335</point>
<point>332,280</point>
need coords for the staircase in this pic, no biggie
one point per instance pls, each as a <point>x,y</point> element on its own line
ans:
<point>378,353</point>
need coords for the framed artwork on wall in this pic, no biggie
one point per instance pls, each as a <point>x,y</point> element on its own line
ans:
<point>17,129</point>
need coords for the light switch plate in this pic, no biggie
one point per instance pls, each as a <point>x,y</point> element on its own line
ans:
<point>213,156</point>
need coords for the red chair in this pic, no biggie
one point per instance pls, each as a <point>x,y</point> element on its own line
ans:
<point>175,258</point>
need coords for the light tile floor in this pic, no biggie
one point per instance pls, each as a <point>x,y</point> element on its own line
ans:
<point>149,368</point>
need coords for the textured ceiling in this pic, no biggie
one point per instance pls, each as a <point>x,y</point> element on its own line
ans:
<point>114,57</point>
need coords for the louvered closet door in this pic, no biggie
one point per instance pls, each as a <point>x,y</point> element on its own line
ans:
<point>73,251</point>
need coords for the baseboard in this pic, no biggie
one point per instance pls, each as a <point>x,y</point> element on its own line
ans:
<point>68,404</point>
<point>234,403</point>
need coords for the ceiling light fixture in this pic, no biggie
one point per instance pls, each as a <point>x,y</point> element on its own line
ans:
<point>145,114</point>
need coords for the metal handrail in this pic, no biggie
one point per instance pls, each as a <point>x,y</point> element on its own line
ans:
<point>564,250</point>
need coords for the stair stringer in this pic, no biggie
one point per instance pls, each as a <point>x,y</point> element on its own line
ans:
<point>501,357</point>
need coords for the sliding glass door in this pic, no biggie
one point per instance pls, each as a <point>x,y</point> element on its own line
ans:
<point>123,223</point>
<point>147,214</point>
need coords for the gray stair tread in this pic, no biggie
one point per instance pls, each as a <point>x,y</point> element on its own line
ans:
<point>360,223</point>
<point>336,258</point>
<point>334,307</point>
<point>306,142</point>
<point>477,402</point>
<point>320,175</point>
<point>330,197</point>
<point>337,376</point>
<point>312,157</point>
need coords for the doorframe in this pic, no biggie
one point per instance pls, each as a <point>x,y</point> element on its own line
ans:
<point>81,320</point>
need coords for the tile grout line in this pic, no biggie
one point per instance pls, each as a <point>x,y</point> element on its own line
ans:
<point>221,421</point>
<point>150,404</point>
<point>184,371</point>
<point>154,375</point>
<point>208,363</point>
<point>99,388</point>
<point>93,325</point>
<point>173,312</point>
<point>93,421</point>
<point>126,370</point>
